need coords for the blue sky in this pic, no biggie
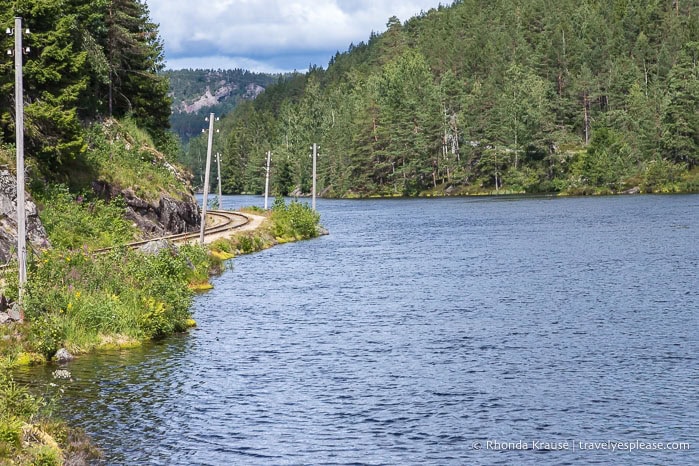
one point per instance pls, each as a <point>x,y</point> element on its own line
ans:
<point>270,35</point>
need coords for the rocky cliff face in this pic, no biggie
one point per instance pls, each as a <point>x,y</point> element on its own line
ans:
<point>36,235</point>
<point>167,215</point>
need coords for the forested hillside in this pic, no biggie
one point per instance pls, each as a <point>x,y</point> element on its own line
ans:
<point>196,93</point>
<point>488,96</point>
<point>88,59</point>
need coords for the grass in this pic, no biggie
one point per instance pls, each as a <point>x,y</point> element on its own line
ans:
<point>122,155</point>
<point>77,221</point>
<point>75,299</point>
<point>28,435</point>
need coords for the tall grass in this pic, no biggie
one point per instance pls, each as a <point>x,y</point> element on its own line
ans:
<point>123,155</point>
<point>78,300</point>
<point>75,221</point>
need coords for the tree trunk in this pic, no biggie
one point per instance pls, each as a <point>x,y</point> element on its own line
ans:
<point>586,110</point>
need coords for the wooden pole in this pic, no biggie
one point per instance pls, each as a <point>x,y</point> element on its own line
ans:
<point>269,159</point>
<point>220,197</point>
<point>206,179</point>
<point>19,142</point>
<point>315,158</point>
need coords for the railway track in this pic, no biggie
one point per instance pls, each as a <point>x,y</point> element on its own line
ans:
<point>221,221</point>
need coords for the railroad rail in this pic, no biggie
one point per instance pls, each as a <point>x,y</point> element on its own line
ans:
<point>222,221</point>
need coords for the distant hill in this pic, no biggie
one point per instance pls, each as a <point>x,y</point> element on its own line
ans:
<point>196,93</point>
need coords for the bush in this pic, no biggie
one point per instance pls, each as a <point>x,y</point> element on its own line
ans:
<point>44,456</point>
<point>661,175</point>
<point>294,220</point>
<point>46,335</point>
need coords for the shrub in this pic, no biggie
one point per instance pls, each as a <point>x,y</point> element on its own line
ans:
<point>661,175</point>
<point>294,220</point>
<point>44,456</point>
<point>46,334</point>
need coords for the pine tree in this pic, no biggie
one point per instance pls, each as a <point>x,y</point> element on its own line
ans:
<point>54,78</point>
<point>680,123</point>
<point>134,52</point>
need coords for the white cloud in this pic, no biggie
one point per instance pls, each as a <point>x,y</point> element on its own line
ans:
<point>271,33</point>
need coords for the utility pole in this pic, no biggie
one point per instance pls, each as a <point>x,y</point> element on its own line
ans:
<point>269,159</point>
<point>206,178</point>
<point>218,162</point>
<point>19,143</point>
<point>315,158</point>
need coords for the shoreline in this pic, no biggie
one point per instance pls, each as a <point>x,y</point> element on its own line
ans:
<point>222,246</point>
<point>37,434</point>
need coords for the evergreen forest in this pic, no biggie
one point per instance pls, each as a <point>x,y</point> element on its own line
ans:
<point>508,96</point>
<point>87,60</point>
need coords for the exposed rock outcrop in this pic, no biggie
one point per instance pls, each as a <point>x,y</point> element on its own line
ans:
<point>13,314</point>
<point>154,247</point>
<point>209,99</point>
<point>252,91</point>
<point>167,215</point>
<point>36,235</point>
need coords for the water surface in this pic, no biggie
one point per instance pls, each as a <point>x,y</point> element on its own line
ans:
<point>419,331</point>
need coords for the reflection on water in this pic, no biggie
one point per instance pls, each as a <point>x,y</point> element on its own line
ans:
<point>417,329</point>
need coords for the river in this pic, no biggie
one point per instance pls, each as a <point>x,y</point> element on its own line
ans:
<point>506,330</point>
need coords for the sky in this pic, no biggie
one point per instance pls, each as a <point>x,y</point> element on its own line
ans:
<point>271,36</point>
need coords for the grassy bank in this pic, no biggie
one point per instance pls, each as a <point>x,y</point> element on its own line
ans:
<point>81,301</point>
<point>286,223</point>
<point>29,433</point>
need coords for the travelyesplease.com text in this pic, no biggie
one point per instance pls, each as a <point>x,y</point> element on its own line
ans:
<point>580,445</point>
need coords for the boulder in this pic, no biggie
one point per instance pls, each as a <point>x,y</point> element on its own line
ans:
<point>4,317</point>
<point>15,313</point>
<point>154,247</point>
<point>62,355</point>
<point>36,235</point>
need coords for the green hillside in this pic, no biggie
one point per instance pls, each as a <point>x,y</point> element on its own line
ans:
<point>88,60</point>
<point>506,96</point>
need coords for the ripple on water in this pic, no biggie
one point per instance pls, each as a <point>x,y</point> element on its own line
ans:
<point>411,332</point>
